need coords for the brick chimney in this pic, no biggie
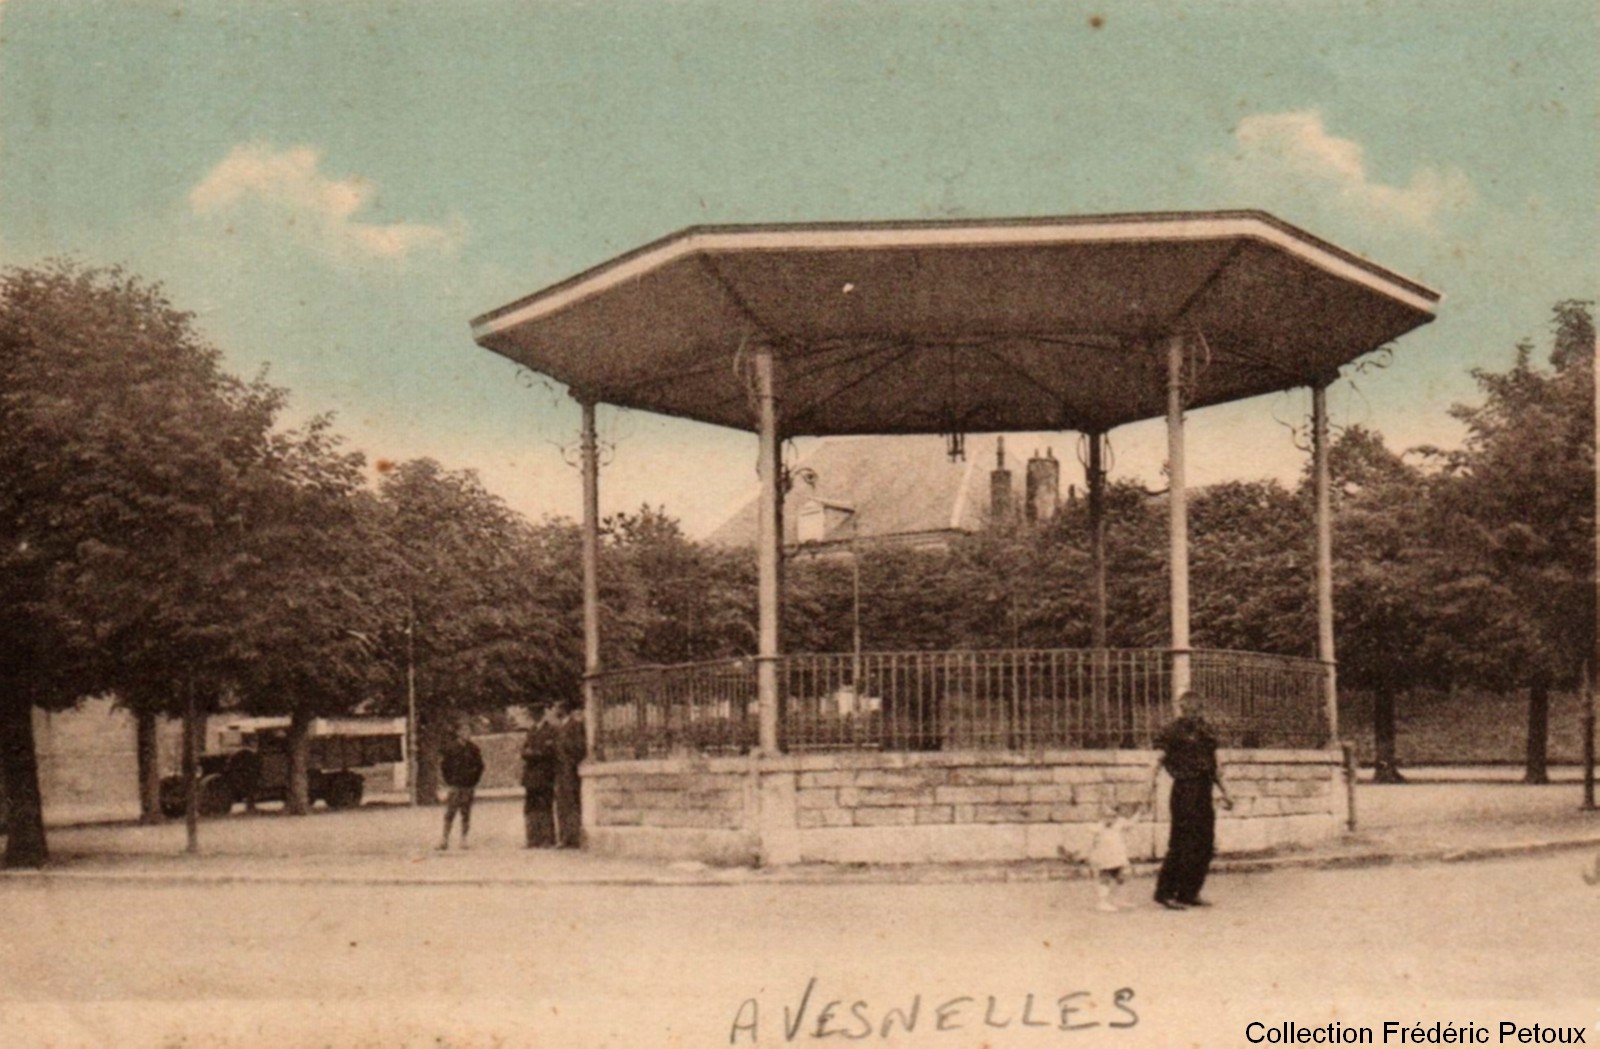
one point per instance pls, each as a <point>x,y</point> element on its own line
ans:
<point>1000,509</point>
<point>1043,487</point>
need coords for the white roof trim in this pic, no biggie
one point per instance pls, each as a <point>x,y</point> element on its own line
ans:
<point>1056,233</point>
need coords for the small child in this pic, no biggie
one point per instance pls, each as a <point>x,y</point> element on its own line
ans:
<point>1107,857</point>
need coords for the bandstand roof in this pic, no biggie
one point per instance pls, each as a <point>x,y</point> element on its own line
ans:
<point>962,326</point>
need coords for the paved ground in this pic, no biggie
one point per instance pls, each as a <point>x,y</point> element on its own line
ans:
<point>208,964</point>
<point>1482,773</point>
<point>1416,821</point>
<point>347,929</point>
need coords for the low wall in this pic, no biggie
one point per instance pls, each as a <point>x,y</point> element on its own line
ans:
<point>678,808</point>
<point>915,808</point>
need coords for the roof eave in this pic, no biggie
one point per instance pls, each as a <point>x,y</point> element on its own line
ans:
<point>1155,227</point>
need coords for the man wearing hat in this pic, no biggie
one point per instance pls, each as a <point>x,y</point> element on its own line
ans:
<point>540,757</point>
<point>571,745</point>
<point>1188,748</point>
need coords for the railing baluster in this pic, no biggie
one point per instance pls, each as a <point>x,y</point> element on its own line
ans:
<point>1003,700</point>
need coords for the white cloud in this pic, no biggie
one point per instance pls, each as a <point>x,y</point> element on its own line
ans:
<point>1294,153</point>
<point>288,187</point>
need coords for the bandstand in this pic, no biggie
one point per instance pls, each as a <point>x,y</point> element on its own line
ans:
<point>1073,324</point>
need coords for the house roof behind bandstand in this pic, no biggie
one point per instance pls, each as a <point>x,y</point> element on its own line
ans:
<point>894,488</point>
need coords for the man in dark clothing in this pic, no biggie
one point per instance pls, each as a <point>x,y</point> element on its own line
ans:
<point>571,745</point>
<point>1189,753</point>
<point>461,767</point>
<point>540,756</point>
<point>244,774</point>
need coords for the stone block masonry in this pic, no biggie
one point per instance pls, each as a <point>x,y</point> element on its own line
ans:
<point>869,807</point>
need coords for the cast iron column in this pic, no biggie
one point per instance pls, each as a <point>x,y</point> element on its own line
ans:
<point>1177,519</point>
<point>768,551</point>
<point>591,573</point>
<point>1097,537</point>
<point>1590,698</point>
<point>1319,454</point>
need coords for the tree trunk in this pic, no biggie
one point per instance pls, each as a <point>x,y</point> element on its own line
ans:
<point>1537,769</point>
<point>1588,754</point>
<point>297,798</point>
<point>149,748</point>
<point>1587,697</point>
<point>427,762</point>
<point>25,840</point>
<point>1385,764</point>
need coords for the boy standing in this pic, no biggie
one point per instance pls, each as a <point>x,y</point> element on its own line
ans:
<point>461,767</point>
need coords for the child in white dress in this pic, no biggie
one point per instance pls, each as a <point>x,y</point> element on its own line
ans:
<point>1108,854</point>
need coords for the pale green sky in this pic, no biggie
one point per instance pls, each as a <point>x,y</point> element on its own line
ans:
<point>338,187</point>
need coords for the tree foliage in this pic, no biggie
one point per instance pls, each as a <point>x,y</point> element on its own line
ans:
<point>1251,569</point>
<point>685,601</point>
<point>1518,512</point>
<point>126,463</point>
<point>477,614</point>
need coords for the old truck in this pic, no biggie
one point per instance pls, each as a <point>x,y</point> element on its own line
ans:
<point>247,760</point>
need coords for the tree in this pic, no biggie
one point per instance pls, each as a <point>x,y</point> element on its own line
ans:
<point>120,442</point>
<point>1136,550</point>
<point>171,599</point>
<point>306,629</point>
<point>1395,592</point>
<point>482,628</point>
<point>908,597</point>
<point>1007,588</point>
<point>687,601</point>
<point>1251,574</point>
<point>1520,511</point>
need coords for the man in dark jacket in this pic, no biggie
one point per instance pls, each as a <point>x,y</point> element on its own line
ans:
<point>461,767</point>
<point>1188,748</point>
<point>244,774</point>
<point>540,756</point>
<point>570,748</point>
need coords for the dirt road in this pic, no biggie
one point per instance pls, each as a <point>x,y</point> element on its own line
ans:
<point>592,965</point>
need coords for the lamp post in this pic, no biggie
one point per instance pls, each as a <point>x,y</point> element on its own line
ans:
<point>1592,665</point>
<point>855,599</point>
<point>411,702</point>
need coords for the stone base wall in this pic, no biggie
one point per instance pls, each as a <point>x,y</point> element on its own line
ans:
<point>937,807</point>
<point>676,808</point>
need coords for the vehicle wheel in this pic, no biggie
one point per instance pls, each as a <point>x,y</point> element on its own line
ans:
<point>344,792</point>
<point>216,795</point>
<point>172,800</point>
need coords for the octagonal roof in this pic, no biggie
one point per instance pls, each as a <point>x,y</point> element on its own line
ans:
<point>965,326</point>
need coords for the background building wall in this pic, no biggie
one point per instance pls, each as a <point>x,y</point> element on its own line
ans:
<point>88,764</point>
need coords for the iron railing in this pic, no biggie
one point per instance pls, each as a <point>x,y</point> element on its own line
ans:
<point>703,708</point>
<point>1258,700</point>
<point>976,700</point>
<point>958,700</point>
